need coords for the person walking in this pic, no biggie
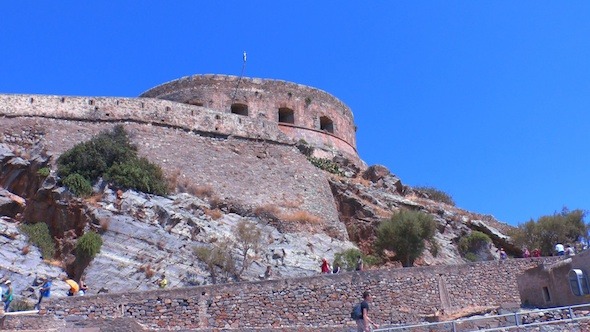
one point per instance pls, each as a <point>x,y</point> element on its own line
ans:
<point>360,265</point>
<point>7,295</point>
<point>44,291</point>
<point>363,323</point>
<point>325,267</point>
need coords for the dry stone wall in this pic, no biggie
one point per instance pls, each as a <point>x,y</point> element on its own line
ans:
<point>400,296</point>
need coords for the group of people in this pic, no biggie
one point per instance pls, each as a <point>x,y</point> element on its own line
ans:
<point>567,251</point>
<point>76,288</point>
<point>326,268</point>
<point>535,253</point>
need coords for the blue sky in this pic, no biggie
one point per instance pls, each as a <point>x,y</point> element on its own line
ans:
<point>488,101</point>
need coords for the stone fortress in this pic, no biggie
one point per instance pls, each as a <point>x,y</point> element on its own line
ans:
<point>254,110</point>
<point>216,105</point>
<point>301,112</point>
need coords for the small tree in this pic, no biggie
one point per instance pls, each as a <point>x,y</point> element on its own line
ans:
<point>561,227</point>
<point>218,260</point>
<point>405,234</point>
<point>88,245</point>
<point>248,241</point>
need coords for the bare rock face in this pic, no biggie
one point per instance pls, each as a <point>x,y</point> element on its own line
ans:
<point>305,214</point>
<point>363,205</point>
<point>383,178</point>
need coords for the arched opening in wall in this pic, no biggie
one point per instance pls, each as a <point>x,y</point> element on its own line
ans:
<point>239,109</point>
<point>326,124</point>
<point>286,115</point>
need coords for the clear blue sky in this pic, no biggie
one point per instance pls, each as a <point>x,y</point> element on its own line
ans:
<point>486,100</point>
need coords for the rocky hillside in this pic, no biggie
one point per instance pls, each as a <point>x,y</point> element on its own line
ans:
<point>304,213</point>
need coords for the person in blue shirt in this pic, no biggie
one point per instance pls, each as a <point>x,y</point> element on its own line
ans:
<point>44,291</point>
<point>7,295</point>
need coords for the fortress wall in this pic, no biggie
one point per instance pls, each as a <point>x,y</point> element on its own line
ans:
<point>264,98</point>
<point>161,112</point>
<point>399,295</point>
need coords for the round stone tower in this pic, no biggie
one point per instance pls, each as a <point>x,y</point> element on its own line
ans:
<point>301,112</point>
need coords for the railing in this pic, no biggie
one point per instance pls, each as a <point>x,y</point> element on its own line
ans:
<point>19,313</point>
<point>504,322</point>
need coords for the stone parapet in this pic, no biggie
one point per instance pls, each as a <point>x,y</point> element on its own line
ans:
<point>166,113</point>
<point>399,296</point>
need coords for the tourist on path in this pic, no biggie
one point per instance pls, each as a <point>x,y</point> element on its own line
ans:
<point>325,266</point>
<point>44,291</point>
<point>162,282</point>
<point>559,249</point>
<point>360,265</point>
<point>7,295</point>
<point>363,323</point>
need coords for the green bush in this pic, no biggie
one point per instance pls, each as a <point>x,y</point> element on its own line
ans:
<point>436,195</point>
<point>473,242</point>
<point>111,154</point>
<point>405,234</point>
<point>39,236</point>
<point>471,257</point>
<point>78,185</point>
<point>326,165</point>
<point>93,158</point>
<point>347,259</point>
<point>44,172</point>
<point>88,245</point>
<point>434,248</point>
<point>138,174</point>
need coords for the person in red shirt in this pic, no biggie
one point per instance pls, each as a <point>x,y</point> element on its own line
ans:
<point>325,266</point>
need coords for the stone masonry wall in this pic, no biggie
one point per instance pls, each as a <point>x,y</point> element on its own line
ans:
<point>399,295</point>
<point>164,113</point>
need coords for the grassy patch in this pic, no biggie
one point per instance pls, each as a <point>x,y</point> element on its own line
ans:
<point>39,236</point>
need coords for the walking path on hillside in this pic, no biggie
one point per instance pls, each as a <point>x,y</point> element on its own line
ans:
<point>573,316</point>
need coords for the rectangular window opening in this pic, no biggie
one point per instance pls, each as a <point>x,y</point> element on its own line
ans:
<point>546,295</point>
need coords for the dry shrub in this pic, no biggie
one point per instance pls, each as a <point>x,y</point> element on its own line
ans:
<point>104,224</point>
<point>147,269</point>
<point>201,191</point>
<point>26,249</point>
<point>291,204</point>
<point>213,213</point>
<point>94,199</point>
<point>300,216</point>
<point>172,180</point>
<point>215,202</point>
<point>267,211</point>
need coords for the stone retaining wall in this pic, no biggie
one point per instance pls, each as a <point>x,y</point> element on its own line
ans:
<point>400,296</point>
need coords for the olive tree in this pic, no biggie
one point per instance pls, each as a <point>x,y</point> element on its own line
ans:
<point>561,227</point>
<point>405,234</point>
